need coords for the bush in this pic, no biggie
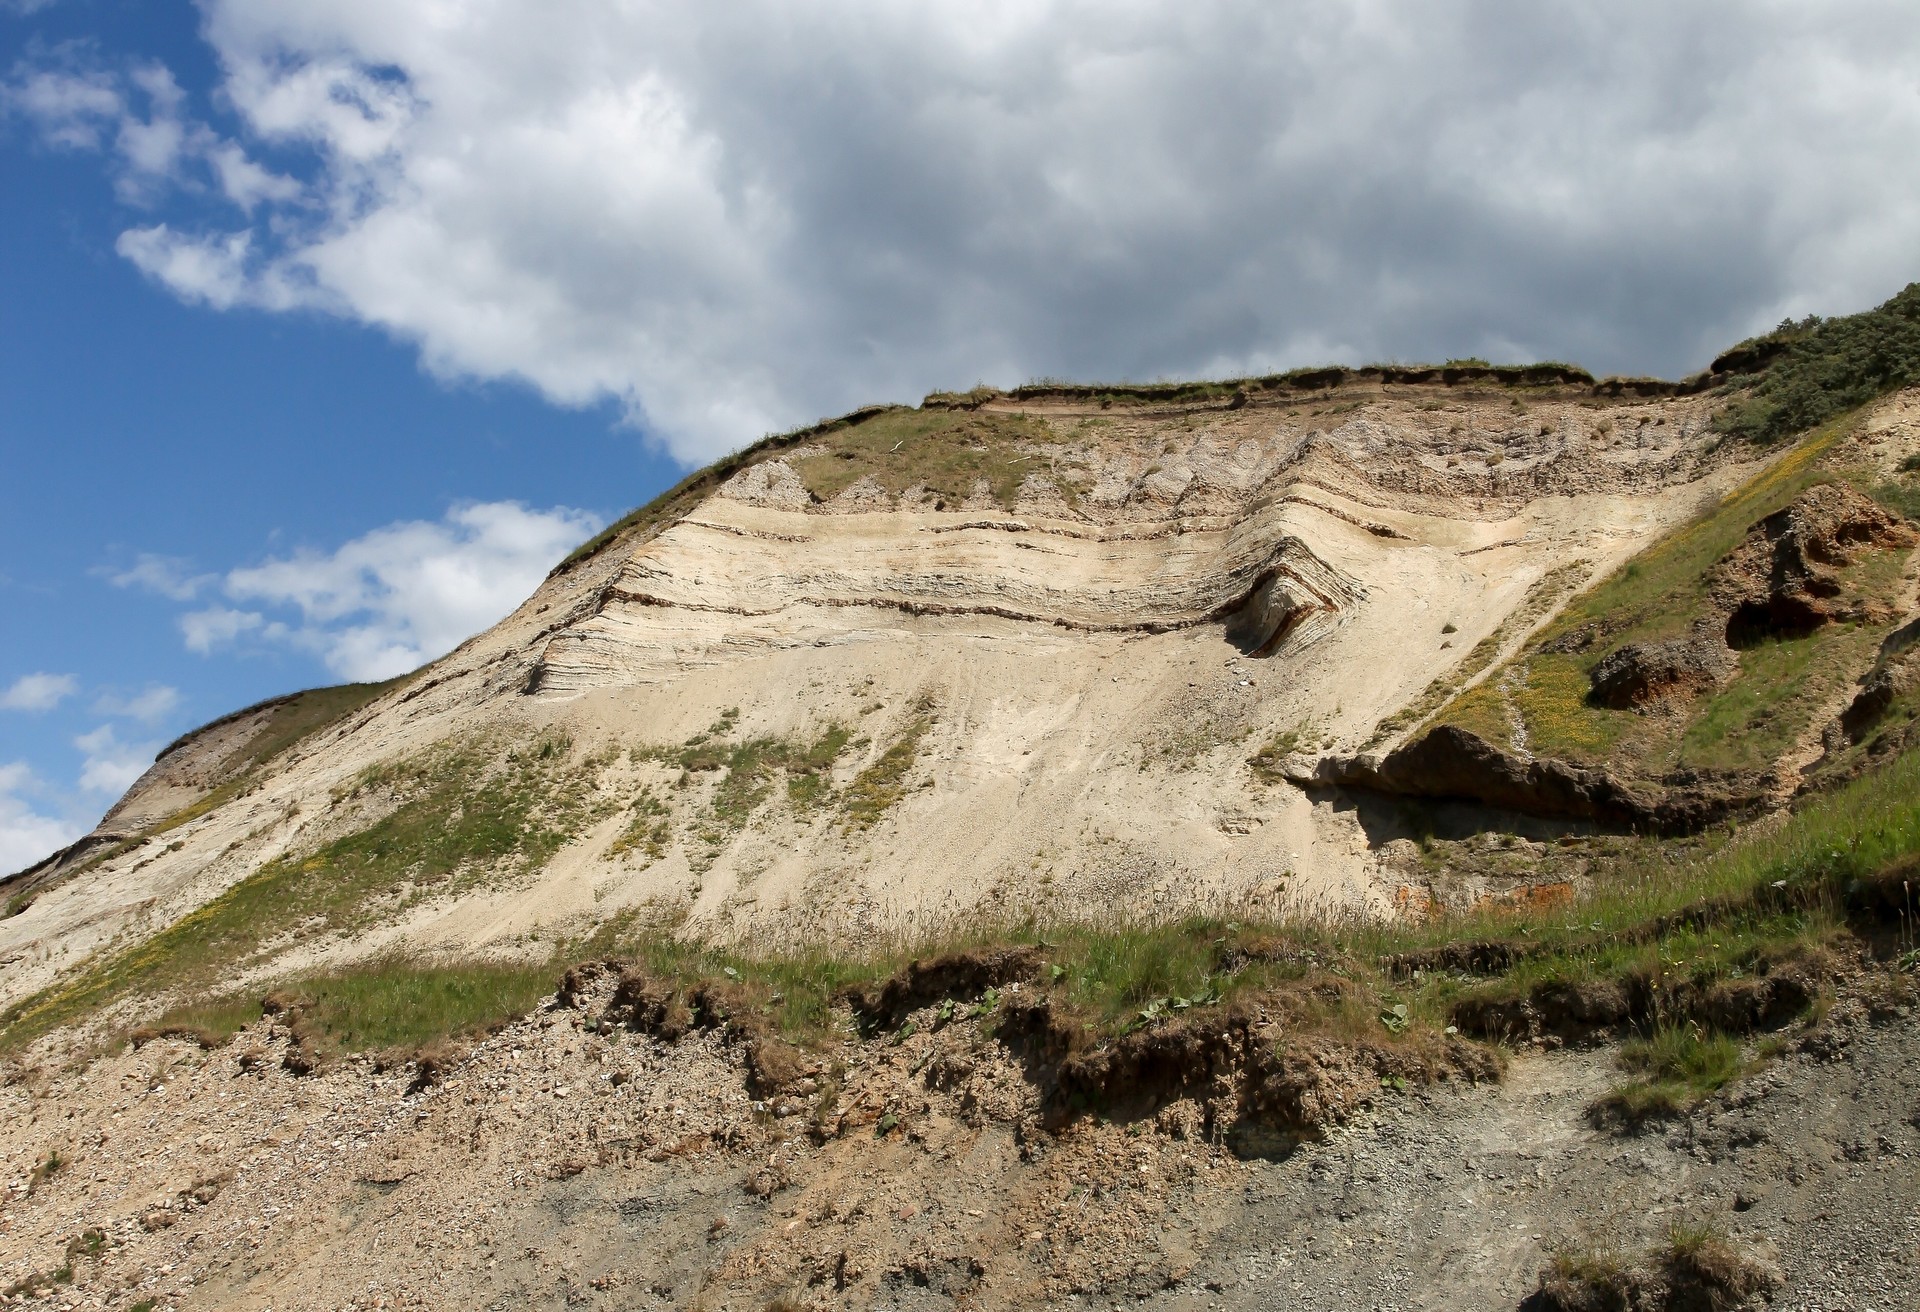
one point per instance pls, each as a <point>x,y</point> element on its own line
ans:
<point>1803,374</point>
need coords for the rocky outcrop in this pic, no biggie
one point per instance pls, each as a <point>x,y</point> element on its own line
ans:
<point>1451,763</point>
<point>1782,581</point>
<point>1644,675</point>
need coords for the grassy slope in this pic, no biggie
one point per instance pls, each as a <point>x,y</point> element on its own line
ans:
<point>457,817</point>
<point>294,717</point>
<point>1754,901</point>
<point>1660,594</point>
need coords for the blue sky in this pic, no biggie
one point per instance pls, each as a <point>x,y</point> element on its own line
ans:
<point>137,426</point>
<point>327,325</point>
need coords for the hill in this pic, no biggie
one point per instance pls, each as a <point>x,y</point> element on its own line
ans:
<point>1089,804</point>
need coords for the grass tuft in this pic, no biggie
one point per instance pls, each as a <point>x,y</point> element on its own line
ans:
<point>1675,1068</point>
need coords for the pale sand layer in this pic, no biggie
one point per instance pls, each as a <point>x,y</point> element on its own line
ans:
<point>1092,718</point>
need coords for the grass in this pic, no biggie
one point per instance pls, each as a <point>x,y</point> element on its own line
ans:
<point>454,817</point>
<point>947,452</point>
<point>293,718</point>
<point>650,829</point>
<point>395,1005</point>
<point>747,770</point>
<point>695,487</point>
<point>1674,1067</point>
<point>1545,593</point>
<point>449,817</point>
<point>878,787</point>
<point>1902,498</point>
<point>1751,901</point>
<point>1782,685</point>
<point>1663,593</point>
<point>401,1006</point>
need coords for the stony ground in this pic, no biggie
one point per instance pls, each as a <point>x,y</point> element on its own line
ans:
<point>556,1167</point>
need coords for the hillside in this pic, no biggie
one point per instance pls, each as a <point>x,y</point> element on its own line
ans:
<point>1041,697</point>
<point>1009,848</point>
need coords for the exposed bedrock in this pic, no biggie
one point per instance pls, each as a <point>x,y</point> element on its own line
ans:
<point>1645,675</point>
<point>1782,581</point>
<point>746,579</point>
<point>1454,764</point>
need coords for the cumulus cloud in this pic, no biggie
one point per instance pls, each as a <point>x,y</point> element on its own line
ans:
<point>401,595</point>
<point>111,766</point>
<point>732,218</point>
<point>151,705</point>
<point>216,626</point>
<point>25,834</point>
<point>38,692</point>
<point>172,577</point>
<point>139,116</point>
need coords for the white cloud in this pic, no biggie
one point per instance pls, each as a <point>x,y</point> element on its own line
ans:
<point>394,598</point>
<point>732,218</point>
<point>73,110</point>
<point>170,576</point>
<point>111,766</point>
<point>216,626</point>
<point>206,269</point>
<point>151,705</point>
<point>244,182</point>
<point>25,834</point>
<point>38,692</point>
<point>141,117</point>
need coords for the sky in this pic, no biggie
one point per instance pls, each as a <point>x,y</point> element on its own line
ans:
<point>327,326</point>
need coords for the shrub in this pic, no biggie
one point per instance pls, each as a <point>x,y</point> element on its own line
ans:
<point>1803,374</point>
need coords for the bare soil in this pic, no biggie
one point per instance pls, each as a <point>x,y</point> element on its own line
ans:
<point>555,1166</point>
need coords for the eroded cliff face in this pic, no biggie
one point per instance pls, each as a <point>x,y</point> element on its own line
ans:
<point>935,665</point>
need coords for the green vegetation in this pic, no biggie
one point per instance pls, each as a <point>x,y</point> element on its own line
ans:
<point>747,771</point>
<point>1805,374</point>
<point>1675,1068</point>
<point>292,719</point>
<point>947,452</point>
<point>1747,723</point>
<point>1718,917</point>
<point>395,1005</point>
<point>650,830</point>
<point>450,819</point>
<point>1542,597</point>
<point>398,1005</point>
<point>875,789</point>
<point>692,489</point>
<point>306,712</point>
<point>1902,498</point>
<point>1723,916</point>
